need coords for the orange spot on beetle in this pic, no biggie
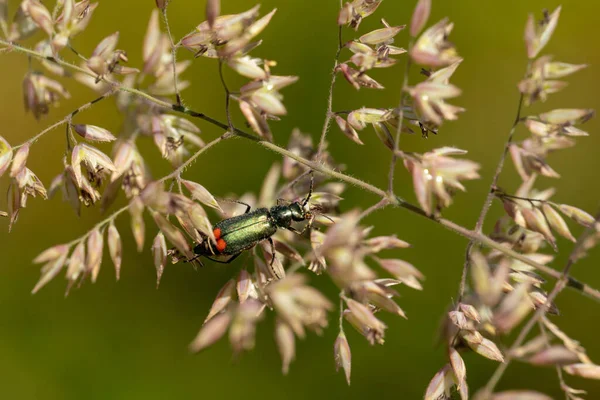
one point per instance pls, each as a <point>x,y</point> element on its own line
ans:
<point>221,244</point>
<point>217,233</point>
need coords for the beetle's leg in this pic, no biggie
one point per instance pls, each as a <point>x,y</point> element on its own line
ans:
<point>248,206</point>
<point>312,182</point>
<point>301,232</point>
<point>278,276</point>
<point>189,260</point>
<point>225,262</point>
<point>272,251</point>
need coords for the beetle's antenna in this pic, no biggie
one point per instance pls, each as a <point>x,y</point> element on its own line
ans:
<point>312,181</point>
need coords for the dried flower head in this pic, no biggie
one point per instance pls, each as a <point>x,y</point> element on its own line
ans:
<point>433,49</point>
<point>40,92</point>
<point>436,175</point>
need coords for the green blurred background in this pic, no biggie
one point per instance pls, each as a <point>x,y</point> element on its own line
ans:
<point>128,340</point>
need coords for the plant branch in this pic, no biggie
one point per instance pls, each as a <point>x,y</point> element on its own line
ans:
<point>396,152</point>
<point>329,112</point>
<point>227,95</point>
<point>474,236</point>
<point>490,196</point>
<point>173,54</point>
<point>65,120</point>
<point>100,224</point>
<point>541,311</point>
<point>559,372</point>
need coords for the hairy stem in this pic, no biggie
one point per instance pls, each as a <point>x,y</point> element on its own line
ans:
<point>329,112</point>
<point>559,372</point>
<point>65,120</point>
<point>227,95</point>
<point>173,54</point>
<point>396,152</point>
<point>99,225</point>
<point>490,196</point>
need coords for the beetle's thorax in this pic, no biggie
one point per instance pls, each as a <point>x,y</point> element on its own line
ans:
<point>284,215</point>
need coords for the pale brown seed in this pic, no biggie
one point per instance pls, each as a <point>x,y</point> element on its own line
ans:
<point>173,234</point>
<point>588,371</point>
<point>200,193</point>
<point>554,355</point>
<point>470,311</point>
<point>94,133</point>
<point>95,245</point>
<point>488,349</point>
<point>213,9</point>
<point>138,226</point>
<point>76,263</point>
<point>520,395</point>
<point>342,355</point>
<point>577,214</point>
<point>419,17</point>
<point>440,385</point>
<point>210,332</point>
<point>115,248</point>
<point>19,160</point>
<point>51,254</point>
<point>224,297</point>
<point>458,366</point>
<point>159,251</point>
<point>5,155</point>
<point>50,270</point>
<point>244,285</point>
<point>557,222</point>
<point>284,336</point>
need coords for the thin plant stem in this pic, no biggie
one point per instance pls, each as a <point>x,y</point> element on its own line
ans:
<point>173,54</point>
<point>341,320</point>
<point>329,112</point>
<point>227,95</point>
<point>375,207</point>
<point>179,170</point>
<point>396,152</point>
<point>99,225</point>
<point>395,200</point>
<point>559,372</point>
<point>490,196</point>
<point>541,311</point>
<point>65,120</point>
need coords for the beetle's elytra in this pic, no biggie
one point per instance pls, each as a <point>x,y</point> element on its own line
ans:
<point>237,234</point>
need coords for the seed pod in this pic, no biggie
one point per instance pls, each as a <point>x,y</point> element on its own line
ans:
<point>138,226</point>
<point>200,193</point>
<point>284,336</point>
<point>380,36</point>
<point>213,9</point>
<point>19,160</point>
<point>115,248</point>
<point>95,245</point>
<point>488,349</point>
<point>557,222</point>
<point>5,155</point>
<point>95,133</point>
<point>224,297</point>
<point>577,214</point>
<point>342,355</point>
<point>76,263</point>
<point>589,371</point>
<point>159,251</point>
<point>420,17</point>
<point>211,331</point>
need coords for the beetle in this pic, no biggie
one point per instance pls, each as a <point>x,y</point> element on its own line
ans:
<point>240,233</point>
